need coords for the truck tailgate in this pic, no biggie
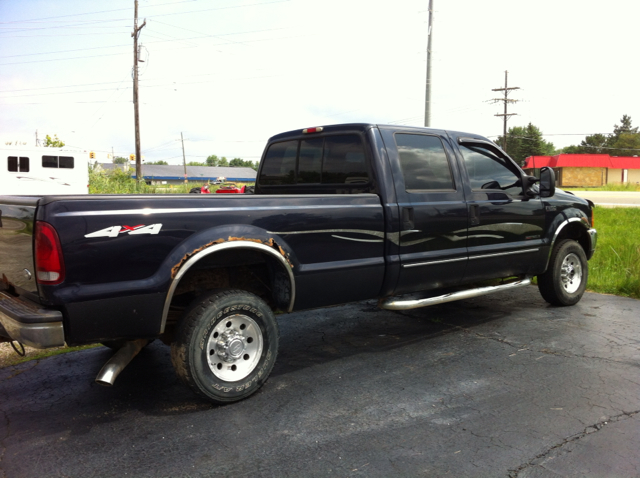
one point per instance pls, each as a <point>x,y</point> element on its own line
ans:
<point>16,240</point>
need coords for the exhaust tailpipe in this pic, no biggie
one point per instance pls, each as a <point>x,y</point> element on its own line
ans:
<point>119,361</point>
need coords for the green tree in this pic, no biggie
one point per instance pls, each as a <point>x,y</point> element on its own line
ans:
<point>53,143</point>
<point>573,149</point>
<point>241,163</point>
<point>627,144</point>
<point>120,160</point>
<point>161,163</point>
<point>195,163</point>
<point>625,127</point>
<point>525,141</point>
<point>624,141</point>
<point>594,144</point>
<point>214,160</point>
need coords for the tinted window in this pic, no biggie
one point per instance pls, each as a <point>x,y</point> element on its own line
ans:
<point>24,165</point>
<point>280,163</point>
<point>488,171</point>
<point>344,160</point>
<point>66,162</point>
<point>424,163</point>
<point>49,161</point>
<point>319,160</point>
<point>310,160</point>
<point>12,163</point>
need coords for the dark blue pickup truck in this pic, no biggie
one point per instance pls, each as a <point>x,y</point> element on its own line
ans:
<point>409,216</point>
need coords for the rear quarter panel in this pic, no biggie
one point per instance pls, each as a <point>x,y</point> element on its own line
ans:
<point>117,280</point>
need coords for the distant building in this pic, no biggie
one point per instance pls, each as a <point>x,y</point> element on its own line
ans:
<point>587,170</point>
<point>155,174</point>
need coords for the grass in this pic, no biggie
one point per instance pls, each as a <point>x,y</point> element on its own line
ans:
<point>117,181</point>
<point>8,357</point>
<point>615,266</point>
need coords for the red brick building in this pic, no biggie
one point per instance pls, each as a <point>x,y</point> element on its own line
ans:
<point>590,170</point>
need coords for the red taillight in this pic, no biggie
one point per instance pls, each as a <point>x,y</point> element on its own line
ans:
<point>49,263</point>
<point>317,129</point>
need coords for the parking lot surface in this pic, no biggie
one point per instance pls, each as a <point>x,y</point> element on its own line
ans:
<point>501,385</point>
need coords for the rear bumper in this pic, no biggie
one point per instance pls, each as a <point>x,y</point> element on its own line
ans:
<point>29,323</point>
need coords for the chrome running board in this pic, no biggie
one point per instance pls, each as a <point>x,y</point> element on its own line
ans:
<point>394,303</point>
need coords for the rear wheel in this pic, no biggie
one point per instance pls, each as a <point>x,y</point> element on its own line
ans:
<point>565,280</point>
<point>226,345</point>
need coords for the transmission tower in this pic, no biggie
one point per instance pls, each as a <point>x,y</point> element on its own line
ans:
<point>506,100</point>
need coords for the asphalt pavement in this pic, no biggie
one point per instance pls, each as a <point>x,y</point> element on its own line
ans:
<point>501,386</point>
<point>611,198</point>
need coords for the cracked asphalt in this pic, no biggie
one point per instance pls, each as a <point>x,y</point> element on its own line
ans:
<point>501,385</point>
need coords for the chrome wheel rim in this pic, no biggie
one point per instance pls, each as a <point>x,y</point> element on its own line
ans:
<point>571,273</point>
<point>234,347</point>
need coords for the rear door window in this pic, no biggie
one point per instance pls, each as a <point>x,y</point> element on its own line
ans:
<point>424,163</point>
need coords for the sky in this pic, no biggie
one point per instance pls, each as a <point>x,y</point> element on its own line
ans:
<point>229,74</point>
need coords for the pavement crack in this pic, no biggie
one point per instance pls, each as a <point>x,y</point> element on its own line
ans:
<point>33,364</point>
<point>541,457</point>
<point>521,347</point>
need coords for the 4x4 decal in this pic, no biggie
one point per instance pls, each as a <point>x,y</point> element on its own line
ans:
<point>115,231</point>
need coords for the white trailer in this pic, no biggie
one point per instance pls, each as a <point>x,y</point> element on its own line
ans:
<point>26,171</point>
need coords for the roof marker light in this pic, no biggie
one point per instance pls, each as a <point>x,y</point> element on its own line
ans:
<point>317,129</point>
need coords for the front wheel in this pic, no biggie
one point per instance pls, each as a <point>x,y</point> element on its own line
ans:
<point>226,345</point>
<point>565,280</point>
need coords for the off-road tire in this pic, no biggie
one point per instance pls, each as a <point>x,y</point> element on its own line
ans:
<point>565,280</point>
<point>226,345</point>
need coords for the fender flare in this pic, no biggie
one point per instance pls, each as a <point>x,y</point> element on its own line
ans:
<point>221,247</point>
<point>591,234</point>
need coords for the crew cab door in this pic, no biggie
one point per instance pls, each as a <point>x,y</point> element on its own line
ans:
<point>433,214</point>
<point>505,225</point>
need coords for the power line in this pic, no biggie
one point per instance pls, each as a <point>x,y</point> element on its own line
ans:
<point>161,14</point>
<point>88,13</point>
<point>261,40</point>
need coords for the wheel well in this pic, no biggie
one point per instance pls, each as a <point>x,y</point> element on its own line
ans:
<point>577,232</point>
<point>245,269</point>
<point>241,268</point>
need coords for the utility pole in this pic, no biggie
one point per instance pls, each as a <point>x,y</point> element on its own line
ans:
<point>427,98</point>
<point>184,161</point>
<point>506,100</point>
<point>135,35</point>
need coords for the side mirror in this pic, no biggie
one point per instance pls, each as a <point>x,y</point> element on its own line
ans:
<point>547,182</point>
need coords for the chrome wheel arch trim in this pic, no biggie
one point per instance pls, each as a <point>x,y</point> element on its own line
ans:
<point>583,222</point>
<point>221,247</point>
